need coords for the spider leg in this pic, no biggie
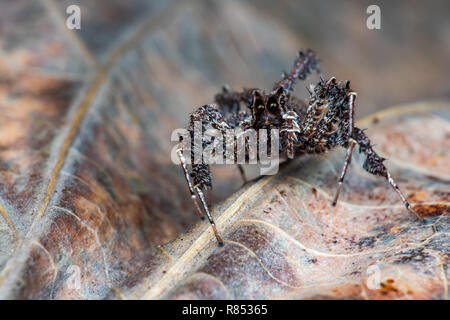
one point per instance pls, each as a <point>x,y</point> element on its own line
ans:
<point>202,187</point>
<point>208,214</point>
<point>300,106</point>
<point>348,158</point>
<point>244,125</point>
<point>374,165</point>
<point>189,183</point>
<point>303,66</point>
<point>351,145</point>
<point>229,101</point>
<point>289,131</point>
<point>199,178</point>
<point>241,171</point>
<point>208,195</point>
<point>314,115</point>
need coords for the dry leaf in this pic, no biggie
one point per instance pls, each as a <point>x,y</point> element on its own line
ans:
<point>284,240</point>
<point>90,202</point>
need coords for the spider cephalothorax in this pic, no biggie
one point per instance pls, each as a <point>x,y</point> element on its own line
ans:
<point>321,124</point>
<point>267,109</point>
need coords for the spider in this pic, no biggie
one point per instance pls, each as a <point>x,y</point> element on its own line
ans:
<point>315,127</point>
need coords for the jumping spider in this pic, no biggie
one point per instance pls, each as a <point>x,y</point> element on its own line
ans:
<point>322,124</point>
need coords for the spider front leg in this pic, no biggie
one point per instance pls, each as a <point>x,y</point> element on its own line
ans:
<point>199,178</point>
<point>197,190</point>
<point>351,145</point>
<point>202,180</point>
<point>187,176</point>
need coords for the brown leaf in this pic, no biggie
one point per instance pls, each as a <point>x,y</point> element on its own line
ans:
<point>87,186</point>
<point>283,239</point>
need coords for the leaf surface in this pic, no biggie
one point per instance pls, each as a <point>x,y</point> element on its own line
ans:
<point>284,240</point>
<point>92,207</point>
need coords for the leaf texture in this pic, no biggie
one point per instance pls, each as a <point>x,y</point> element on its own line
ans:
<point>284,240</point>
<point>86,179</point>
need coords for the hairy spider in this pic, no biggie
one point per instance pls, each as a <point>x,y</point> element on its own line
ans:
<point>315,127</point>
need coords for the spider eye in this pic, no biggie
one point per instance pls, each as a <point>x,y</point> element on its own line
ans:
<point>273,107</point>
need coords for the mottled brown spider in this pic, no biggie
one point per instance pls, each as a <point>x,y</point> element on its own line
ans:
<point>315,127</point>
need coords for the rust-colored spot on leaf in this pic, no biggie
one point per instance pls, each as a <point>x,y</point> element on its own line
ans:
<point>432,210</point>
